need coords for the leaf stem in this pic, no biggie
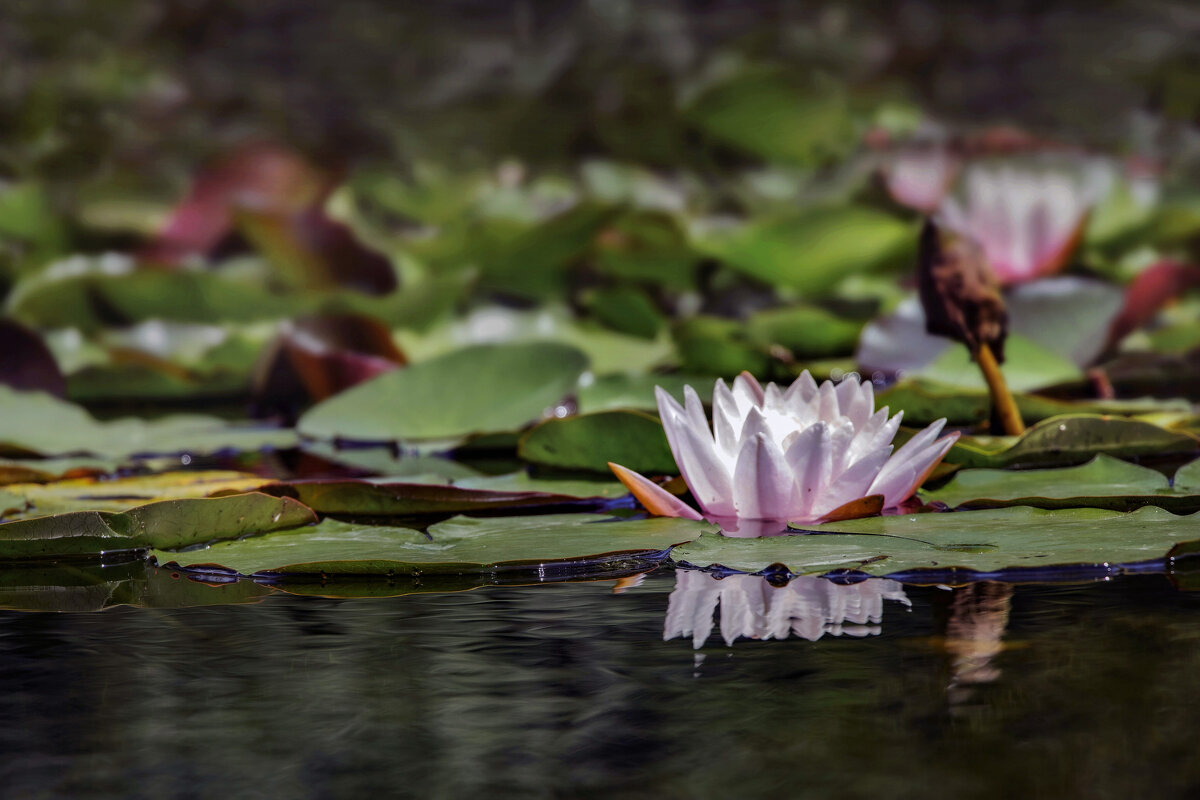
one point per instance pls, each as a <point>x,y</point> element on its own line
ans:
<point>1002,399</point>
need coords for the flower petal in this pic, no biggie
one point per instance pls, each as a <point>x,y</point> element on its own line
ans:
<point>911,465</point>
<point>654,498</point>
<point>727,420</point>
<point>811,461</point>
<point>763,486</point>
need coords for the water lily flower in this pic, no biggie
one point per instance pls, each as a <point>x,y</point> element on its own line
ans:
<point>1026,220</point>
<point>798,454</point>
<point>750,607</point>
<point>919,176</point>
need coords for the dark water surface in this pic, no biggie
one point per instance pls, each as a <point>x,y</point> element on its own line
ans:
<point>569,690</point>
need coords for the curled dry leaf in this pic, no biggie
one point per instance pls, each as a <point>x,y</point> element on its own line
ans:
<point>960,293</point>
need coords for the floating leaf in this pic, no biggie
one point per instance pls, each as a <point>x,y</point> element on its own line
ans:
<point>590,441</point>
<point>458,546</point>
<point>983,541</point>
<point>479,389</point>
<point>815,249</point>
<point>609,392</point>
<point>1103,482</point>
<point>120,494</point>
<point>1073,439</point>
<point>1027,366</point>
<point>924,401</point>
<point>170,523</point>
<point>37,423</point>
<point>380,499</point>
<point>763,113</point>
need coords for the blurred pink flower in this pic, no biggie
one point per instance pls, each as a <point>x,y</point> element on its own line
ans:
<point>1027,220</point>
<point>794,454</point>
<point>920,177</point>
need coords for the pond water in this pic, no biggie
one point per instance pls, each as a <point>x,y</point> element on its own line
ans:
<point>571,690</point>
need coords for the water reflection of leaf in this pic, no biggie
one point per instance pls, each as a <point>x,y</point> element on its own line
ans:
<point>753,608</point>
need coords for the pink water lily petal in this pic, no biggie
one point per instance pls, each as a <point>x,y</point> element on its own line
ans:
<point>654,498</point>
<point>812,462</point>
<point>762,482</point>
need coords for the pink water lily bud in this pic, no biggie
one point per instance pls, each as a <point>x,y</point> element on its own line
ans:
<point>1027,219</point>
<point>797,454</point>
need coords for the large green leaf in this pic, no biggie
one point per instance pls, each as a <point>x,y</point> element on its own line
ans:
<point>762,112</point>
<point>1027,366</point>
<point>35,422</point>
<point>170,523</point>
<point>1072,439</point>
<point>590,441</point>
<point>983,541</point>
<point>479,389</point>
<point>1103,482</point>
<point>123,493</point>
<point>458,546</point>
<point>813,250</point>
<point>379,499</point>
<point>924,401</point>
<point>609,392</point>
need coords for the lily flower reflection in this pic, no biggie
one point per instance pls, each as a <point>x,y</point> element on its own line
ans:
<point>802,454</point>
<point>1027,221</point>
<point>752,608</point>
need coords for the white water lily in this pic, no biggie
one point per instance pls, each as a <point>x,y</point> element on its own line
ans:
<point>794,454</point>
<point>1026,220</point>
<point>751,608</point>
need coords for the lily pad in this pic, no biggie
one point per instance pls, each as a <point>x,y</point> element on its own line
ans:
<point>38,423</point>
<point>609,392</point>
<point>924,401</point>
<point>814,250</point>
<point>170,523</point>
<point>121,494</point>
<point>1028,366</point>
<point>589,441</point>
<point>1103,482</point>
<point>377,499</point>
<point>479,389</point>
<point>460,545</point>
<point>980,541</point>
<point>1073,439</point>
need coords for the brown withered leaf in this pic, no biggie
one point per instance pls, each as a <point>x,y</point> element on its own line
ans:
<point>27,363</point>
<point>318,356</point>
<point>960,293</point>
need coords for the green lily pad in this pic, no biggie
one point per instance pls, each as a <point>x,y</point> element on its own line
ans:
<point>563,487</point>
<point>815,249</point>
<point>1187,477</point>
<point>1028,366</point>
<point>479,389</point>
<point>377,499</point>
<point>386,461</point>
<point>763,112</point>
<point>982,541</point>
<point>609,392</point>
<point>924,401</point>
<point>1072,439</point>
<point>169,523</point>
<point>122,494</point>
<point>590,441</point>
<point>1103,482</point>
<point>38,423</point>
<point>461,545</point>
